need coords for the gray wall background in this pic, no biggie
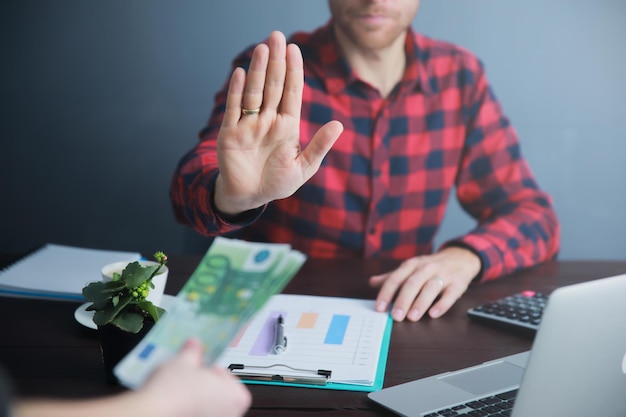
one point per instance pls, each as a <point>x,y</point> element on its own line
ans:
<point>99,100</point>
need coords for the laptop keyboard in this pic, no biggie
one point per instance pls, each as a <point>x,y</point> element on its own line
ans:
<point>500,405</point>
<point>522,311</point>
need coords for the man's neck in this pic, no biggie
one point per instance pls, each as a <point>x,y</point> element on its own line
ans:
<point>381,68</point>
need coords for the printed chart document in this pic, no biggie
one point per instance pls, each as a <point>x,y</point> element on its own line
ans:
<point>329,342</point>
<point>232,282</point>
<point>57,272</point>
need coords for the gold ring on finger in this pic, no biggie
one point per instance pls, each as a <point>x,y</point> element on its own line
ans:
<point>250,111</point>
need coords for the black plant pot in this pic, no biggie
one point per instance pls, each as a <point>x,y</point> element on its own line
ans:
<point>116,343</point>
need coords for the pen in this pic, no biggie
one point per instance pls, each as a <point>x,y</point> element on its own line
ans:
<point>280,340</point>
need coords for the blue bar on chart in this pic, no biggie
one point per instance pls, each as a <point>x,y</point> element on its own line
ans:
<point>337,329</point>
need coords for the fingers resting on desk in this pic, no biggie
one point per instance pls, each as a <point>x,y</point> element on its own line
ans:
<point>426,284</point>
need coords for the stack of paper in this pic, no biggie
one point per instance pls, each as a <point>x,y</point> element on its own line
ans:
<point>231,283</point>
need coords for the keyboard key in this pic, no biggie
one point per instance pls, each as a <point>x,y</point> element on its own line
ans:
<point>506,405</point>
<point>490,400</point>
<point>474,404</point>
<point>509,395</point>
<point>491,409</point>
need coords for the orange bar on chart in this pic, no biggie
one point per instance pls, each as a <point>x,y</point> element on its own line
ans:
<point>307,320</point>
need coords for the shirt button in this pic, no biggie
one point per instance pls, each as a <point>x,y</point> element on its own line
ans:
<point>372,231</point>
<point>377,173</point>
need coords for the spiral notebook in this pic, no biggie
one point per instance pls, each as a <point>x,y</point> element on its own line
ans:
<point>57,272</point>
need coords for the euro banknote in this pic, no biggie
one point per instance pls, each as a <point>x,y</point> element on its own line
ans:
<point>234,279</point>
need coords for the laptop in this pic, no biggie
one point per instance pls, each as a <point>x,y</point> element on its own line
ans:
<point>576,367</point>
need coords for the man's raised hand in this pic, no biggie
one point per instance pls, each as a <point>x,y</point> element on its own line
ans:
<point>259,154</point>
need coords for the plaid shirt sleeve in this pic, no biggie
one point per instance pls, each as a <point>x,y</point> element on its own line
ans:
<point>517,226</point>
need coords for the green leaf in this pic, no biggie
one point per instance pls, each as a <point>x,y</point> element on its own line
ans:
<point>98,305</point>
<point>154,311</point>
<point>135,274</point>
<point>100,290</point>
<point>129,321</point>
<point>109,313</point>
<point>103,316</point>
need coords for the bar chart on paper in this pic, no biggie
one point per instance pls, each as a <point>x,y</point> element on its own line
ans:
<point>341,335</point>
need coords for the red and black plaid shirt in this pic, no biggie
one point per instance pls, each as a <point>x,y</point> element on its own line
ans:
<point>383,189</point>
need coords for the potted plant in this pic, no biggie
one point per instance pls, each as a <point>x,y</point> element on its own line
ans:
<point>121,311</point>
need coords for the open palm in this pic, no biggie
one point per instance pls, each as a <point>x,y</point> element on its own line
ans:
<point>259,152</point>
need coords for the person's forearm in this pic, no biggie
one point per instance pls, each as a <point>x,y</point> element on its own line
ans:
<point>521,238</point>
<point>121,405</point>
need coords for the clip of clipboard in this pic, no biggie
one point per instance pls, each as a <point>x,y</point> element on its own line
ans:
<point>304,376</point>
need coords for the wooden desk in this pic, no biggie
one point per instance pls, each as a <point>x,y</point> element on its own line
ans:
<point>48,353</point>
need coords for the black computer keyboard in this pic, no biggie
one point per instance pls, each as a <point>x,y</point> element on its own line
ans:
<point>521,311</point>
<point>499,405</point>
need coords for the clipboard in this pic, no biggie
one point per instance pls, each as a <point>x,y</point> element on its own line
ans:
<point>281,371</point>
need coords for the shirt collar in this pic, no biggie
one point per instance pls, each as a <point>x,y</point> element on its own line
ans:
<point>417,53</point>
<point>335,71</point>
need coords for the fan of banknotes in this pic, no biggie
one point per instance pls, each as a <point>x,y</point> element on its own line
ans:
<point>233,281</point>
